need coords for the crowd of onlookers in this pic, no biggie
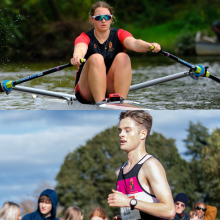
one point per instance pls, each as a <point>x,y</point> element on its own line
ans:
<point>48,201</point>
<point>200,211</point>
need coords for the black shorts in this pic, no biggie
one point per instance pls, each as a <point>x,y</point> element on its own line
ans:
<point>80,96</point>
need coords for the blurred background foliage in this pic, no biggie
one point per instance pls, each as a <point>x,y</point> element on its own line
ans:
<point>46,29</point>
<point>87,176</point>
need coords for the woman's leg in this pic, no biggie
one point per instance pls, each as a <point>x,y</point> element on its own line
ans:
<point>92,81</point>
<point>119,75</point>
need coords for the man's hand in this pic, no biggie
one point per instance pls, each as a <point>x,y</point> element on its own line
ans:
<point>118,199</point>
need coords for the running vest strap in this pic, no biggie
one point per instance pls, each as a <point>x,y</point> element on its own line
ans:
<point>109,49</point>
<point>129,185</point>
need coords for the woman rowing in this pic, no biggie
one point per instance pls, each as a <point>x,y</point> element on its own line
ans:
<point>107,68</point>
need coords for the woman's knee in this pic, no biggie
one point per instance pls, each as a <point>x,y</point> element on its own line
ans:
<point>96,59</point>
<point>123,59</point>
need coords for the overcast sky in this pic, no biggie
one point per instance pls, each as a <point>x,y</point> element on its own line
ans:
<point>33,144</point>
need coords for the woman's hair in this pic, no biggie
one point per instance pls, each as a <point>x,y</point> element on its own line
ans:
<point>102,5</point>
<point>9,211</point>
<point>73,213</point>
<point>197,204</point>
<point>99,212</point>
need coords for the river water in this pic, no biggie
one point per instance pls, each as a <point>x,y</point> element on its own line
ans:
<point>184,93</point>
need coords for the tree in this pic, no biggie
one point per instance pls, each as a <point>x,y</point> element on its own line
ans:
<point>88,174</point>
<point>196,140</point>
<point>211,168</point>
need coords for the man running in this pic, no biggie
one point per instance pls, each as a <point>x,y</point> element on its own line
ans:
<point>142,190</point>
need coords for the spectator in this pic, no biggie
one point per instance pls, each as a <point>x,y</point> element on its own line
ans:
<point>47,204</point>
<point>202,211</point>
<point>181,201</point>
<point>73,213</point>
<point>210,213</point>
<point>10,211</point>
<point>98,213</point>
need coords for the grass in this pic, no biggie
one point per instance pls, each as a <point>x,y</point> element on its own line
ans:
<point>165,34</point>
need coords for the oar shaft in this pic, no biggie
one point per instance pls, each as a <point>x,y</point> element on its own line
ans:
<point>46,72</point>
<point>44,92</point>
<point>214,78</point>
<point>178,60</point>
<point>159,81</point>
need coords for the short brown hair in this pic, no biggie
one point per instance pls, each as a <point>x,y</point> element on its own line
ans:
<point>102,5</point>
<point>141,117</point>
<point>98,211</point>
<point>73,213</point>
<point>44,198</point>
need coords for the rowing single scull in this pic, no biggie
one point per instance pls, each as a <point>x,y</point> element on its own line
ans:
<point>66,101</point>
<point>63,101</point>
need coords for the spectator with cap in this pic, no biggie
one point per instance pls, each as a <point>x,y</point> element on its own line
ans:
<point>181,201</point>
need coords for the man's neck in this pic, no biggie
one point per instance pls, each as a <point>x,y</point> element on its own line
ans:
<point>135,156</point>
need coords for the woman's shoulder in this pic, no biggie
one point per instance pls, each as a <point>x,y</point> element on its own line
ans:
<point>90,32</point>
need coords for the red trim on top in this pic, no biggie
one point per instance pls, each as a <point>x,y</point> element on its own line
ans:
<point>122,34</point>
<point>82,38</point>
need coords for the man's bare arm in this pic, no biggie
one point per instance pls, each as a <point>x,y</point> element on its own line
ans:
<point>154,173</point>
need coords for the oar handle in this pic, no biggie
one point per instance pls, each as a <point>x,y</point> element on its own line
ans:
<point>46,72</point>
<point>198,70</point>
<point>177,59</point>
<point>6,85</point>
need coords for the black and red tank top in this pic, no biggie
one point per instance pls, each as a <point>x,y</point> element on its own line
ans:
<point>129,185</point>
<point>109,49</point>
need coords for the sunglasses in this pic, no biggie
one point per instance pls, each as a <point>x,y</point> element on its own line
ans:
<point>198,208</point>
<point>100,17</point>
<point>182,205</point>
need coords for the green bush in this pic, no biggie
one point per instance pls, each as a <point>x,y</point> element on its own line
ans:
<point>185,44</point>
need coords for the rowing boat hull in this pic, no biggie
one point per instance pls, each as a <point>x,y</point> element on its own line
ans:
<point>59,104</point>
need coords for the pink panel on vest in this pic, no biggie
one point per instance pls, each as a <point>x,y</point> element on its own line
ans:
<point>128,186</point>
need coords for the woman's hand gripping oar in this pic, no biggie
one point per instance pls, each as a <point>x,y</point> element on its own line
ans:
<point>7,85</point>
<point>198,70</point>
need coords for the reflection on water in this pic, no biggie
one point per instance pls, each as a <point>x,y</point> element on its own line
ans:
<point>184,93</point>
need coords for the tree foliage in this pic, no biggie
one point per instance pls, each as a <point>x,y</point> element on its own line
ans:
<point>88,174</point>
<point>211,167</point>
<point>196,140</point>
<point>34,28</point>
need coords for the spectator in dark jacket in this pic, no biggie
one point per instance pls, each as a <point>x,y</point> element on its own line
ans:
<point>47,204</point>
<point>181,201</point>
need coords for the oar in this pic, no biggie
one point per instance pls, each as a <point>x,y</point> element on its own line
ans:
<point>198,70</point>
<point>6,85</point>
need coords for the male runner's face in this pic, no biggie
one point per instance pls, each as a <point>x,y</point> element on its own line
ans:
<point>129,135</point>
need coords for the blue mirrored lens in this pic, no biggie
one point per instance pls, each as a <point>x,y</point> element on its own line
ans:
<point>100,17</point>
